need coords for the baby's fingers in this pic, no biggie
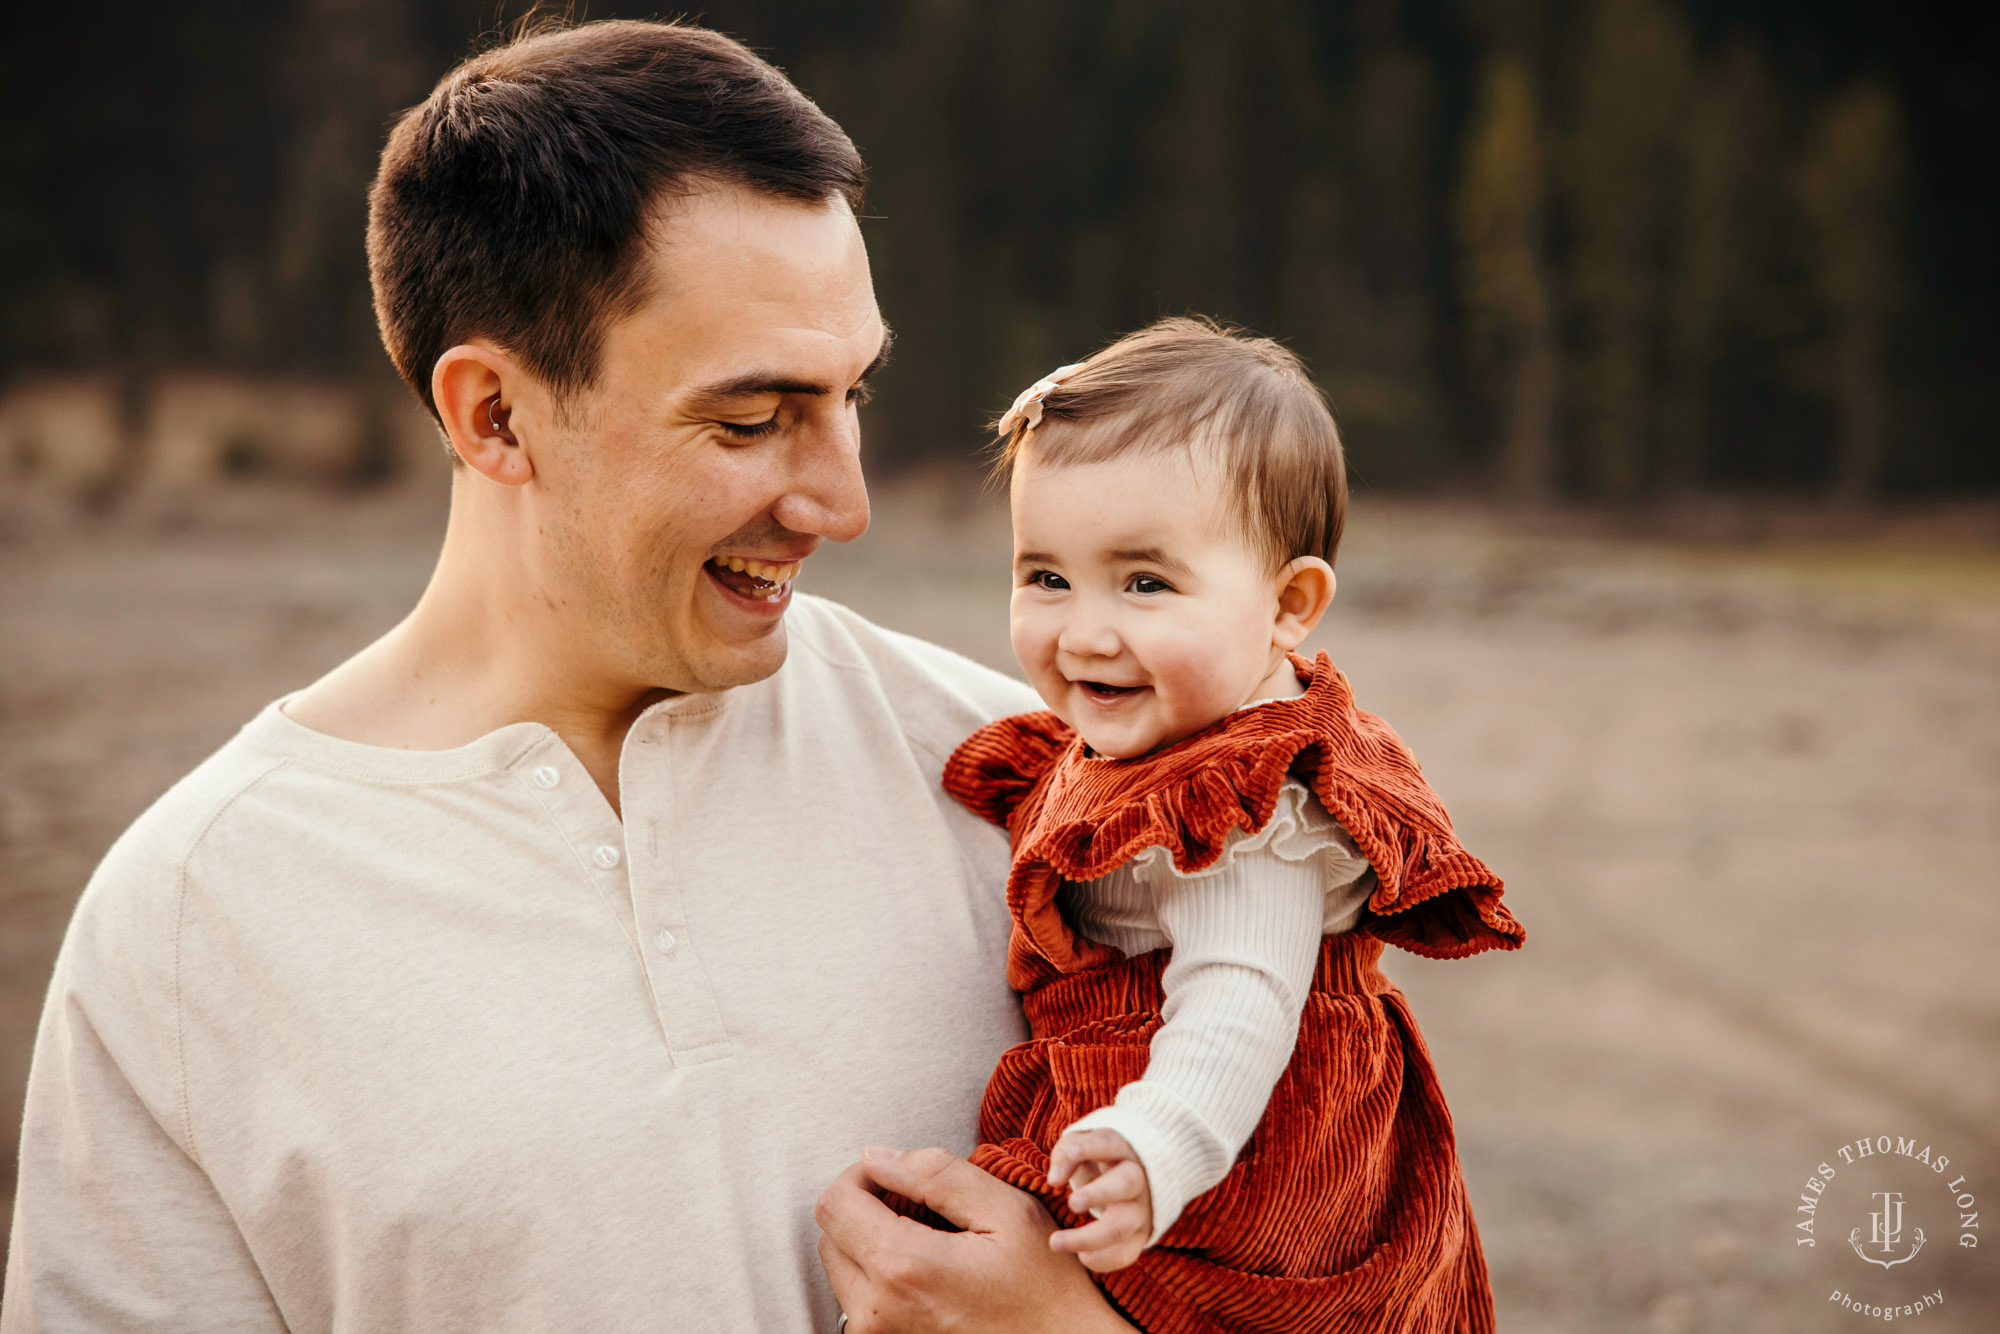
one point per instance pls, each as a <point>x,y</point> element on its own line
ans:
<point>1085,1173</point>
<point>1104,1146</point>
<point>1076,1147</point>
<point>1122,1182</point>
<point>1108,1243</point>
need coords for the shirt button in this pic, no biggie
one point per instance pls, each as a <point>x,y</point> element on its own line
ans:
<point>607,856</point>
<point>547,776</point>
<point>665,940</point>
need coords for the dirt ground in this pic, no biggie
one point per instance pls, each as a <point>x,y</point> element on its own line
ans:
<point>1745,794</point>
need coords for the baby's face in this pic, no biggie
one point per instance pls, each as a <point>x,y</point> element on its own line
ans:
<point>1140,613</point>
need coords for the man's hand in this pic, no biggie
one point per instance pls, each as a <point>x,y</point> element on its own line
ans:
<point>893,1275</point>
<point>1110,1186</point>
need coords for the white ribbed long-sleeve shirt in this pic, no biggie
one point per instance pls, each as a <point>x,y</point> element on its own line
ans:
<point>1245,934</point>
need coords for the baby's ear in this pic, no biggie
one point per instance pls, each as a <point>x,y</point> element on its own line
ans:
<point>1305,590</point>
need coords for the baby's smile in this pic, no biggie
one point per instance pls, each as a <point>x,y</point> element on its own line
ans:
<point>1105,694</point>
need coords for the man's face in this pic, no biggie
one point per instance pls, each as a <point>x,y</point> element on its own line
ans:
<point>719,445</point>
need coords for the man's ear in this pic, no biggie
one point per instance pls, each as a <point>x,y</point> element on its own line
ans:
<point>1305,590</point>
<point>470,384</point>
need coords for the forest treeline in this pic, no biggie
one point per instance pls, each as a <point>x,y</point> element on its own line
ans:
<point>1612,249</point>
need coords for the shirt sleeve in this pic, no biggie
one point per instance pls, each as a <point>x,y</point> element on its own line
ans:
<point>116,1226</point>
<point>1245,940</point>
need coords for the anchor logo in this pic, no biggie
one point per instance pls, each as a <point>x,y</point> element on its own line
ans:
<point>1887,1231</point>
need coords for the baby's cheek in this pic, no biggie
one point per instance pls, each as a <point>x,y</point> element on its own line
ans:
<point>1034,636</point>
<point>1196,675</point>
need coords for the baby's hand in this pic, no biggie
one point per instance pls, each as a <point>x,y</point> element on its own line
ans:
<point>1109,1184</point>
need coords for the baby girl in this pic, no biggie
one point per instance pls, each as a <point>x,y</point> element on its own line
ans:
<point>1224,1099</point>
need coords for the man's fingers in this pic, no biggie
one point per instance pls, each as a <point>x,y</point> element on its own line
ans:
<point>962,1193</point>
<point>854,1217</point>
<point>847,1206</point>
<point>841,1271</point>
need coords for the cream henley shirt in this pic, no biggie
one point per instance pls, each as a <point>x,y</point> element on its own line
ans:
<point>344,1038</point>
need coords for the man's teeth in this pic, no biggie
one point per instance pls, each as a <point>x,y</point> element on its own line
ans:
<point>774,577</point>
<point>772,574</point>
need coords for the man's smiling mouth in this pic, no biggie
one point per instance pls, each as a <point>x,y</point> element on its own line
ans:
<point>758,579</point>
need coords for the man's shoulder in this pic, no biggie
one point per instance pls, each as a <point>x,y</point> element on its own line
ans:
<point>147,865</point>
<point>120,956</point>
<point>939,695</point>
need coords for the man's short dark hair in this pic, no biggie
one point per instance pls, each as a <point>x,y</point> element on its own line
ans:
<point>511,204</point>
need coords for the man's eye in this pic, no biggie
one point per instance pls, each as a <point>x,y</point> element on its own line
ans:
<point>1049,580</point>
<point>1146,583</point>
<point>861,393</point>
<point>753,430</point>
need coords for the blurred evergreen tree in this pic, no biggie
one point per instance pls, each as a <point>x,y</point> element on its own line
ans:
<point>1374,344</point>
<point>346,68</point>
<point>1625,170</point>
<point>1502,241</point>
<point>1849,183</point>
<point>1728,145</point>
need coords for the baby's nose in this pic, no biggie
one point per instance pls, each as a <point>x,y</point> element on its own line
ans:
<point>1090,637</point>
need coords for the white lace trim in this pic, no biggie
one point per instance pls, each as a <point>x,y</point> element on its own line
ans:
<point>1299,828</point>
<point>1117,908</point>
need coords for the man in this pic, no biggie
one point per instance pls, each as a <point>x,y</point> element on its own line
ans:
<point>540,966</point>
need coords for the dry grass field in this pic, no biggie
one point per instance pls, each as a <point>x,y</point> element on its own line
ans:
<point>1746,796</point>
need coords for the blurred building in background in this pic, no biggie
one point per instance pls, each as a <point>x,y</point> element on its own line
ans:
<point>1610,250</point>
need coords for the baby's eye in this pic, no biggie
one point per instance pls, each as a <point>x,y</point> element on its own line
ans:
<point>1148,583</point>
<point>1048,579</point>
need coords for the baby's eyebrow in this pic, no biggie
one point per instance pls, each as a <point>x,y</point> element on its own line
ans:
<point>1150,556</point>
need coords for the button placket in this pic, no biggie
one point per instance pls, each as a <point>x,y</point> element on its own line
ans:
<point>689,1012</point>
<point>587,823</point>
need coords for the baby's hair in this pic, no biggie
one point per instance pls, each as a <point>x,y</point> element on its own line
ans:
<point>1183,382</point>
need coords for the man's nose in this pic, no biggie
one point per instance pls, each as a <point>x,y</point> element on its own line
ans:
<point>828,496</point>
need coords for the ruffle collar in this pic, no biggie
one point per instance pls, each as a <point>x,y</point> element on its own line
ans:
<point>1076,816</point>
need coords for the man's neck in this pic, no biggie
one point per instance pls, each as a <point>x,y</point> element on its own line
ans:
<point>477,653</point>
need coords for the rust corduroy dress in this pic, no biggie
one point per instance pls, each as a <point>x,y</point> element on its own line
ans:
<point>1346,1210</point>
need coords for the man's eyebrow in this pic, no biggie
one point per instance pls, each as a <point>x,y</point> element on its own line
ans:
<point>756,382</point>
<point>752,383</point>
<point>881,356</point>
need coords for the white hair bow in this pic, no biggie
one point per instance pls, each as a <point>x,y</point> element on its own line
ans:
<point>1028,407</point>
